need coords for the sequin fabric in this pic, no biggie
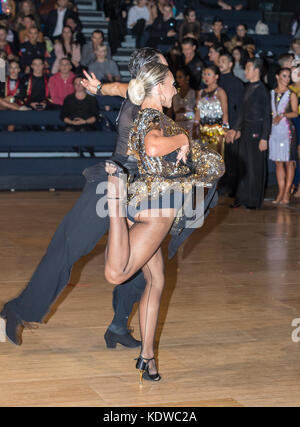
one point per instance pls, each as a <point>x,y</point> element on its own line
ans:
<point>159,174</point>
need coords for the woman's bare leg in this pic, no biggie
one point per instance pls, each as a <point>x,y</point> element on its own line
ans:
<point>290,173</point>
<point>280,175</point>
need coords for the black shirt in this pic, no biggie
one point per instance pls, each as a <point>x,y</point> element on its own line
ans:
<point>195,67</point>
<point>38,90</point>
<point>83,108</point>
<point>234,89</point>
<point>213,38</point>
<point>29,51</point>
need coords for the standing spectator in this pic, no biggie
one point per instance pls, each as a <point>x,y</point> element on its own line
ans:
<point>89,49</point>
<point>57,18</point>
<point>29,22</point>
<point>113,11</point>
<point>80,110</point>
<point>234,89</point>
<point>61,83</point>
<point>253,127</point>
<point>138,20</point>
<point>191,59</point>
<point>283,141</point>
<point>217,36</point>
<point>190,27</point>
<point>78,36</point>
<point>214,53</point>
<point>31,49</point>
<point>65,47</point>
<point>34,87</point>
<point>106,70</point>
<point>242,39</point>
<point>240,58</point>
<point>163,29</point>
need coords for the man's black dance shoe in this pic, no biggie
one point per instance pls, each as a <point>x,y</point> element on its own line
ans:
<point>112,339</point>
<point>12,327</point>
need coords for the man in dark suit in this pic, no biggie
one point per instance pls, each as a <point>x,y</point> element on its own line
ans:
<point>57,18</point>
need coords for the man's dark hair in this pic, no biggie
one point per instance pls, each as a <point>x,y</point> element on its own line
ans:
<point>30,17</point>
<point>190,40</point>
<point>217,19</point>
<point>140,57</point>
<point>78,76</point>
<point>228,56</point>
<point>258,64</point>
<point>243,25</point>
<point>188,10</point>
<point>98,32</point>
<point>39,58</point>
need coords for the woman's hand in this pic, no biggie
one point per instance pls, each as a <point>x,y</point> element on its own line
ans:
<point>91,82</point>
<point>277,119</point>
<point>183,152</point>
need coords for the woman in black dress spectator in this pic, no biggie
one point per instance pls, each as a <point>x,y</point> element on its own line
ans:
<point>163,29</point>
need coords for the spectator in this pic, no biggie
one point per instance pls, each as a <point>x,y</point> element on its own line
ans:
<point>80,110</point>
<point>9,9</point>
<point>242,39</point>
<point>157,8</point>
<point>65,47</point>
<point>61,83</point>
<point>57,18</point>
<point>191,59</point>
<point>285,60</point>
<point>11,88</point>
<point>34,87</point>
<point>78,36</point>
<point>190,27</point>
<point>234,89</point>
<point>26,8</point>
<point>5,45</point>
<point>113,10</point>
<point>214,53</point>
<point>295,48</point>
<point>184,102</point>
<point>29,22</point>
<point>31,49</point>
<point>217,36</point>
<point>106,70</point>
<point>88,50</point>
<point>163,29</point>
<point>240,58</point>
<point>138,20</point>
<point>10,33</point>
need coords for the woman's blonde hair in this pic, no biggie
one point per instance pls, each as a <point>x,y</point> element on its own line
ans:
<point>149,76</point>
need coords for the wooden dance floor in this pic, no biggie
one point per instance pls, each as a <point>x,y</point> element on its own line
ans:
<point>225,327</point>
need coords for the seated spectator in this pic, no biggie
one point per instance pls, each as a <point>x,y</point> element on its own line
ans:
<point>65,47</point>
<point>295,49</point>
<point>61,83</point>
<point>106,70</point>
<point>240,56</point>
<point>286,60</point>
<point>232,4</point>
<point>78,36</point>
<point>9,9</point>
<point>88,50</point>
<point>190,27</point>
<point>5,45</point>
<point>11,37</point>
<point>138,20</point>
<point>57,18</point>
<point>26,8</point>
<point>214,53</point>
<point>79,110</point>
<point>217,36</point>
<point>34,87</point>
<point>192,60</point>
<point>242,39</point>
<point>31,49</point>
<point>10,88</point>
<point>163,29</point>
<point>157,8</point>
<point>29,22</point>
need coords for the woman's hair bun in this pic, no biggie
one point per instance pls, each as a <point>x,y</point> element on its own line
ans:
<point>136,91</point>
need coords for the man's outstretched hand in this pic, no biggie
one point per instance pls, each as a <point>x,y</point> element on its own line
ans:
<point>90,83</point>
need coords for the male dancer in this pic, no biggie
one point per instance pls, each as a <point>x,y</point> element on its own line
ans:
<point>81,230</point>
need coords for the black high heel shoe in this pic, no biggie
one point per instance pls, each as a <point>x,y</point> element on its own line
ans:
<point>142,365</point>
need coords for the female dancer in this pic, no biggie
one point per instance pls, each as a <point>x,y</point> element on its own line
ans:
<point>282,143</point>
<point>161,148</point>
<point>212,110</point>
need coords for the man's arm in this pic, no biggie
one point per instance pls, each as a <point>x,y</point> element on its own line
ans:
<point>109,89</point>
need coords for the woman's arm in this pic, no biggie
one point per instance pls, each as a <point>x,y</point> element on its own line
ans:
<point>158,145</point>
<point>294,106</point>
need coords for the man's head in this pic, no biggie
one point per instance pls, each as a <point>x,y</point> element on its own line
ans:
<point>37,66</point>
<point>217,25</point>
<point>285,60</point>
<point>188,47</point>
<point>3,34</point>
<point>33,35</point>
<point>62,3</point>
<point>296,46</point>
<point>78,88</point>
<point>141,3</point>
<point>14,69</point>
<point>190,14</point>
<point>226,63</point>
<point>97,37</point>
<point>28,21</point>
<point>143,56</point>
<point>254,69</point>
<point>241,30</point>
<point>65,66</point>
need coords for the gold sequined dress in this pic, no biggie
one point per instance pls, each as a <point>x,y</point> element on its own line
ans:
<point>160,174</point>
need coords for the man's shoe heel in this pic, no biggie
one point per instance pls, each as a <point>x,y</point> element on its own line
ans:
<point>110,343</point>
<point>2,330</point>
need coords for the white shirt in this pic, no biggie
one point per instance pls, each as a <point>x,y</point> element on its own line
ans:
<point>60,22</point>
<point>135,13</point>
